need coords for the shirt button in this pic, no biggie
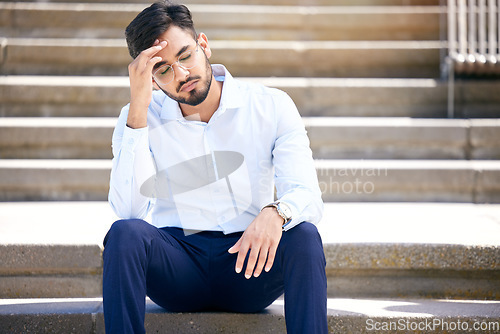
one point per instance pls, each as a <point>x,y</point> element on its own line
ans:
<point>131,141</point>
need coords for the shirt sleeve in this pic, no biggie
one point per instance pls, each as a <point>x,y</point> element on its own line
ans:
<point>132,165</point>
<point>295,174</point>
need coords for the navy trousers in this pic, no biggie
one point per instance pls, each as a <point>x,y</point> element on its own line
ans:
<point>196,273</point>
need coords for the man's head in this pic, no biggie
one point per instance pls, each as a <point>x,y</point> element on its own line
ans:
<point>172,23</point>
<point>153,21</point>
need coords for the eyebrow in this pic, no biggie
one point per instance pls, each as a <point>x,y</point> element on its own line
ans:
<point>181,51</point>
<point>160,64</point>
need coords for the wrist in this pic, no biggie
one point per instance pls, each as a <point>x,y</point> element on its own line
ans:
<point>137,117</point>
<point>282,209</point>
<point>275,214</point>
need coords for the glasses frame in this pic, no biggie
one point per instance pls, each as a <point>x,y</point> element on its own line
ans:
<point>194,52</point>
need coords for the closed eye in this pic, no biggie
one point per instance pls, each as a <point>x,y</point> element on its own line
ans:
<point>186,57</point>
<point>164,71</point>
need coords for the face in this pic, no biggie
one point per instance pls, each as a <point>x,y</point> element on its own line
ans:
<point>189,86</point>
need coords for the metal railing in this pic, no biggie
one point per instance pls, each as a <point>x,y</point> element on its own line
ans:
<point>473,40</point>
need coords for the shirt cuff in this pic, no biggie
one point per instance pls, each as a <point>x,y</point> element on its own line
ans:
<point>133,138</point>
<point>295,218</point>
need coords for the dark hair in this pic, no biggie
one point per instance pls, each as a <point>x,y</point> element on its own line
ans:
<point>153,21</point>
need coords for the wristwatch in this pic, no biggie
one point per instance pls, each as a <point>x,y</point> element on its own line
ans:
<point>283,210</point>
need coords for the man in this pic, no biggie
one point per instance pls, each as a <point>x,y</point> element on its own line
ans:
<point>203,153</point>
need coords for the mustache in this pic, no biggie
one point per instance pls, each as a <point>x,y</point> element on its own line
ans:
<point>185,82</point>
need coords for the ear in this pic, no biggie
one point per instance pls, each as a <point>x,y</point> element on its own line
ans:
<point>203,42</point>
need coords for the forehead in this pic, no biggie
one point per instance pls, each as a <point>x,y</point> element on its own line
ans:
<point>176,39</point>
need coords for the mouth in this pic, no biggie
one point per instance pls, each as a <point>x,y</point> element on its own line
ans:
<point>188,86</point>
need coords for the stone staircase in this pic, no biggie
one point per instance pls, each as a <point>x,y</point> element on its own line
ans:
<point>412,218</point>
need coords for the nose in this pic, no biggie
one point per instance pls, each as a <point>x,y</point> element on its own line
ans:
<point>180,73</point>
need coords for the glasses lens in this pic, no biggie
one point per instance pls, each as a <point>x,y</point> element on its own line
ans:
<point>187,59</point>
<point>164,74</point>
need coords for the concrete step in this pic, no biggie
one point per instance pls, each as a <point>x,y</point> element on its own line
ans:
<point>105,96</point>
<point>270,2</point>
<point>56,138</point>
<point>461,181</point>
<point>344,316</point>
<point>331,138</point>
<point>403,138</point>
<point>373,250</point>
<point>35,180</point>
<point>63,96</point>
<point>60,256</point>
<point>409,180</point>
<point>229,22</point>
<point>363,59</point>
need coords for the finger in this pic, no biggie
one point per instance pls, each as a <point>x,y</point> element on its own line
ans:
<point>236,247</point>
<point>151,63</point>
<point>150,52</point>
<point>252,259</point>
<point>270,258</point>
<point>242,254</point>
<point>262,260</point>
<point>157,46</point>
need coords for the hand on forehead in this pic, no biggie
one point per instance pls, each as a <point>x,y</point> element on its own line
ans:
<point>176,38</point>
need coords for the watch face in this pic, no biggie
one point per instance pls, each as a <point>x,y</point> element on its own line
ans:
<point>285,210</point>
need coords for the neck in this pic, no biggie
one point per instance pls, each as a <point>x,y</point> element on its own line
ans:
<point>207,108</point>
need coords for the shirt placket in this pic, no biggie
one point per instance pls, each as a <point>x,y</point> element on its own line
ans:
<point>219,189</point>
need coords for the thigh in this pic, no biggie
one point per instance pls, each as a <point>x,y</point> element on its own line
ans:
<point>299,254</point>
<point>176,275</point>
<point>233,292</point>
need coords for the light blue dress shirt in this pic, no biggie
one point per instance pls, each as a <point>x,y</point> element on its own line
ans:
<point>218,175</point>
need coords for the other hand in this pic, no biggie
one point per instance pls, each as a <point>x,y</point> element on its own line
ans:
<point>261,238</point>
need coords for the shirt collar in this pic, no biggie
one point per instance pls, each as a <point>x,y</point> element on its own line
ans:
<point>231,97</point>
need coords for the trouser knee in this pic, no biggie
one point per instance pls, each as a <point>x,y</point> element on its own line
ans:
<point>125,233</point>
<point>304,241</point>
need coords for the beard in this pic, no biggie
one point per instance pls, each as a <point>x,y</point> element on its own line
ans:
<point>197,95</point>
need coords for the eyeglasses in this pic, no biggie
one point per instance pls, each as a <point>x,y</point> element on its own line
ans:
<point>165,74</point>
